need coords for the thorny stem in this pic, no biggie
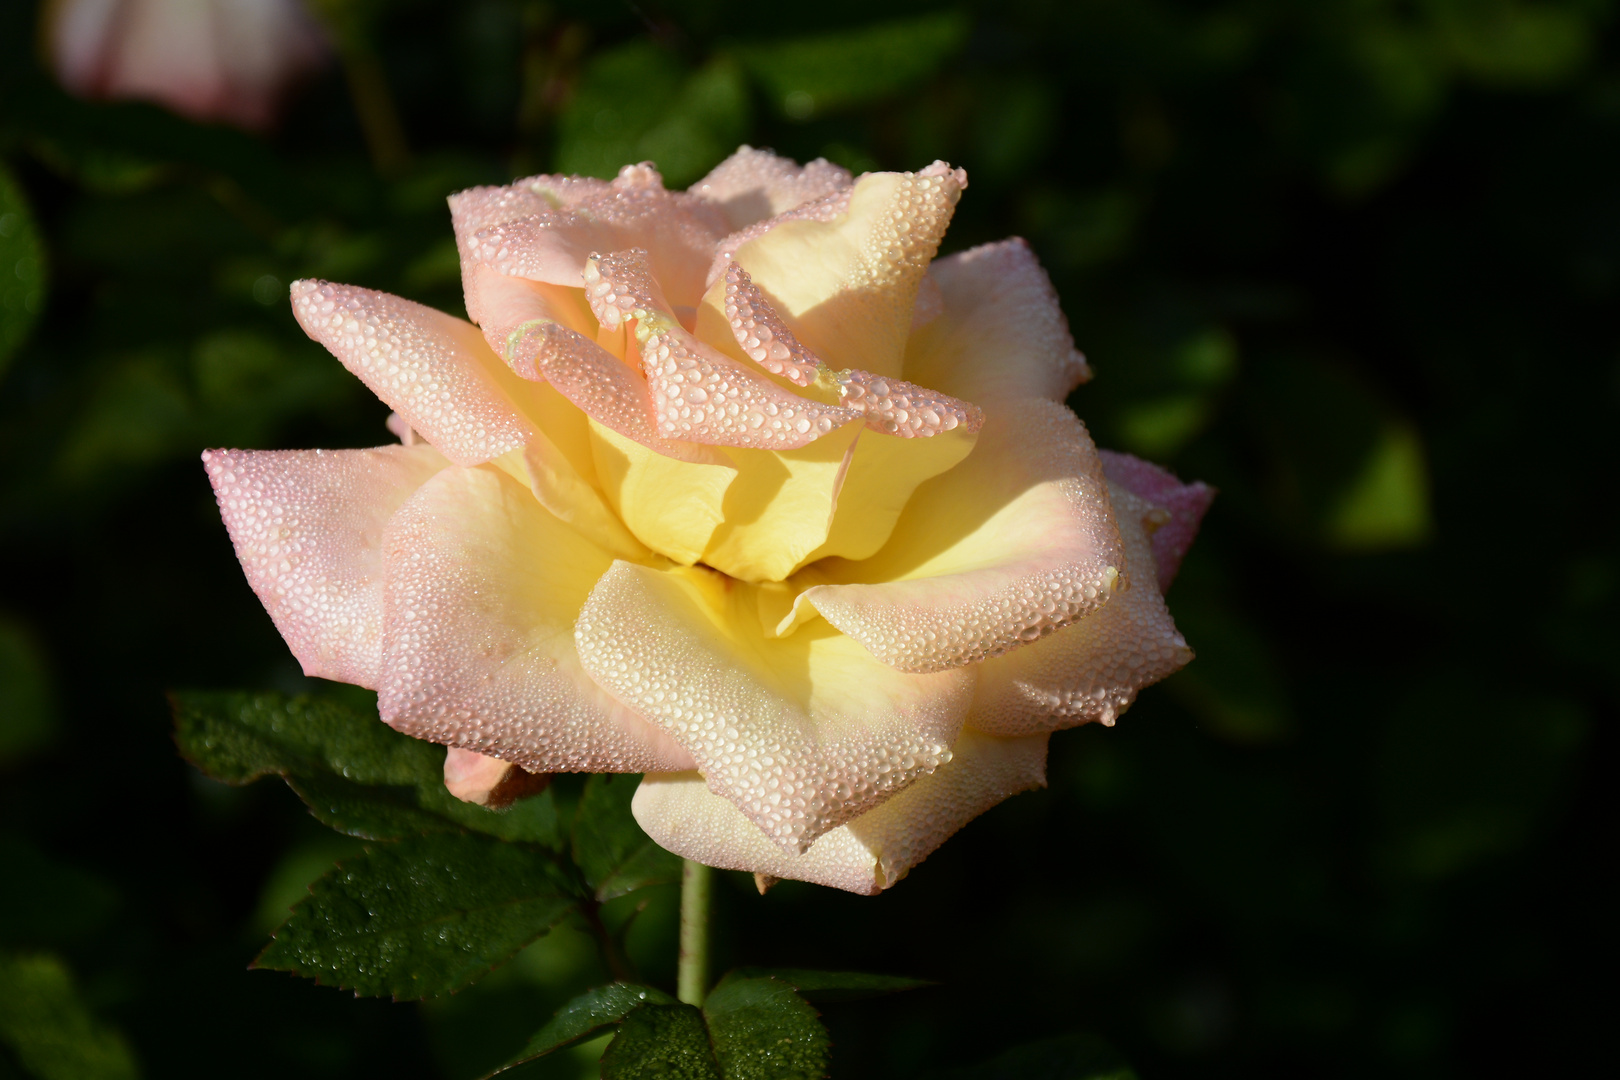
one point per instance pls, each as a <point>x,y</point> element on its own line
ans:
<point>692,970</point>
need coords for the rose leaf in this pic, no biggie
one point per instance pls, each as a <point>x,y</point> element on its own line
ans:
<point>585,1015</point>
<point>663,1041</point>
<point>357,774</point>
<point>428,915</point>
<point>763,1030</point>
<point>615,855</point>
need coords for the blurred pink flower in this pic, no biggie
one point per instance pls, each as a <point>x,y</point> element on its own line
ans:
<point>227,60</point>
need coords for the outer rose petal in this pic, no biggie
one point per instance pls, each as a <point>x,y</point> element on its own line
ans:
<point>308,526</point>
<point>488,781</point>
<point>1000,333</point>
<point>870,853</point>
<point>545,227</point>
<point>845,286</point>
<point>432,369</point>
<point>1093,669</point>
<point>1183,505</point>
<point>1012,544</point>
<point>483,586</point>
<point>802,733</point>
<point>752,185</point>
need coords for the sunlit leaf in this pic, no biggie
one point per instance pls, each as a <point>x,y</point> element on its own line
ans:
<point>762,1030</point>
<point>587,1015</point>
<point>421,917</point>
<point>660,1042</point>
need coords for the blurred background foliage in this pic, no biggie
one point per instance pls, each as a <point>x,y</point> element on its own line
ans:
<point>1355,262</point>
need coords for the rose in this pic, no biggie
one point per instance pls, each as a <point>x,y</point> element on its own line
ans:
<point>733,488</point>
<point>206,59</point>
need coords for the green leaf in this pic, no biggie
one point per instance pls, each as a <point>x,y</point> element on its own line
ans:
<point>1067,1057</point>
<point>827,986</point>
<point>640,102</point>
<point>762,1030</point>
<point>22,268</point>
<point>586,1015</point>
<point>47,1026</point>
<point>666,1042</point>
<point>27,713</point>
<point>356,773</point>
<point>615,855</point>
<point>809,76</point>
<point>428,915</point>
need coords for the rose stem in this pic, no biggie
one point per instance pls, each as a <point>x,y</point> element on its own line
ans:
<point>692,971</point>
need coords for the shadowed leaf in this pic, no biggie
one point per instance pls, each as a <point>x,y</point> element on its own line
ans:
<point>586,1015</point>
<point>827,986</point>
<point>762,1030</point>
<point>616,856</point>
<point>666,1042</point>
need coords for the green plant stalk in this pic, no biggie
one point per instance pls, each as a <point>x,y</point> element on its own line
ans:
<point>692,969</point>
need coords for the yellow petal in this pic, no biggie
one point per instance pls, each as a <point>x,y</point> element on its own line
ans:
<point>1000,332</point>
<point>865,856</point>
<point>1092,669</point>
<point>673,506</point>
<point>1012,544</point>
<point>844,279</point>
<point>802,733</point>
<point>482,587</point>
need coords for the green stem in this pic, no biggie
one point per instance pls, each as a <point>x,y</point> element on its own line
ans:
<point>692,972</point>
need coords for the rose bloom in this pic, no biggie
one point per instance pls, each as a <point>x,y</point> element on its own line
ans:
<point>225,60</point>
<point>735,487</point>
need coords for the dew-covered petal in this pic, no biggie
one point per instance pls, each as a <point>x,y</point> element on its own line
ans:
<point>1012,544</point>
<point>308,526</point>
<point>482,589</point>
<point>1179,507</point>
<point>870,853</point>
<point>1093,668</point>
<point>698,393</point>
<point>488,781</point>
<point>545,227</point>
<point>752,185</point>
<point>504,307</point>
<point>843,272</point>
<point>1000,332</point>
<point>801,733</point>
<point>434,370</point>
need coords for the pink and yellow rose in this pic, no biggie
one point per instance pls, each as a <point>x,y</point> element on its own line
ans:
<point>736,487</point>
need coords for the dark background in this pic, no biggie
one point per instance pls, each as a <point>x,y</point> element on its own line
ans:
<point>1355,262</point>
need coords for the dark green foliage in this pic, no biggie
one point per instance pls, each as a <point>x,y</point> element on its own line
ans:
<point>1355,262</point>
<point>45,1023</point>
<point>762,1030</point>
<point>610,848</point>
<point>22,269</point>
<point>824,986</point>
<point>425,916</point>
<point>588,1014</point>
<point>656,1042</point>
<point>356,773</point>
<point>1068,1057</point>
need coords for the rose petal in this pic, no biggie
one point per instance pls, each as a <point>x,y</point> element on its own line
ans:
<point>1000,332</point>
<point>307,526</point>
<point>483,587</point>
<point>845,286</point>
<point>752,185</point>
<point>504,306</point>
<point>1184,506</point>
<point>1093,669</point>
<point>545,227</point>
<point>434,370</point>
<point>1012,544</point>
<point>802,733</point>
<point>488,781</point>
<point>865,856</point>
<point>699,394</point>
